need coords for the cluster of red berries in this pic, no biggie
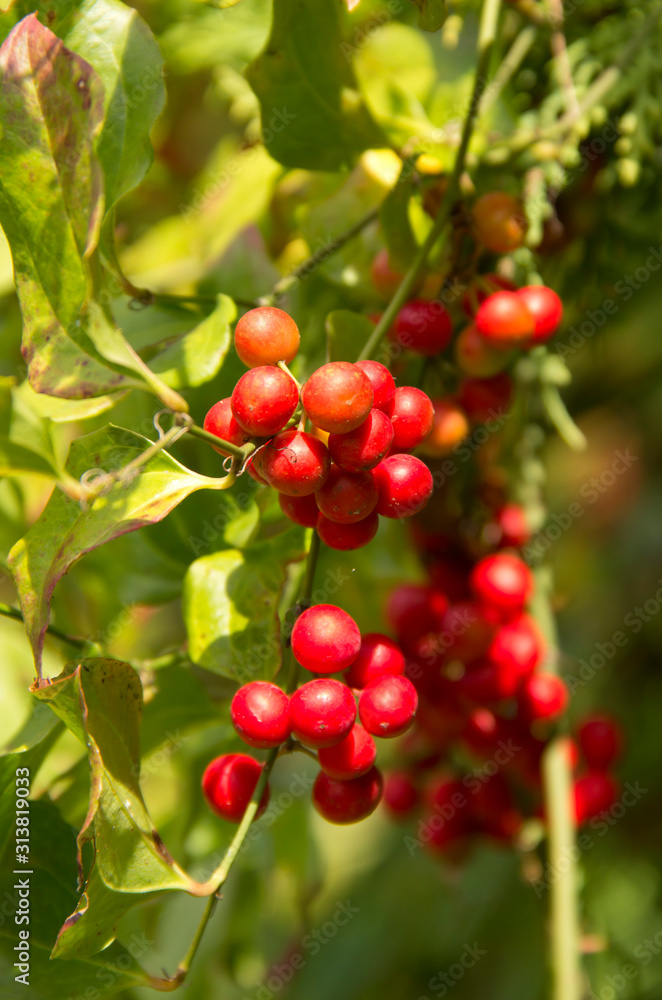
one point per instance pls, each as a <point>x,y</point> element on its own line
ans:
<point>356,462</point>
<point>321,715</point>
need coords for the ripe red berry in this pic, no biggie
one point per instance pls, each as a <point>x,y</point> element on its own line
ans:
<point>383,385</point>
<point>350,758</point>
<point>363,448</point>
<point>295,463</point>
<point>405,485</point>
<point>220,420</point>
<point>263,400</point>
<point>475,357</point>
<point>511,525</point>
<point>546,308</point>
<point>484,682</point>
<point>517,645</point>
<point>347,497</point>
<point>322,712</point>
<point>387,706</point>
<point>412,417</point>
<point>265,336</point>
<point>422,326</point>
<point>301,510</point>
<point>346,537</point>
<point>347,801</point>
<point>601,741</point>
<point>481,732</point>
<point>499,222</point>
<point>260,714</point>
<point>503,582</point>
<point>252,469</point>
<point>415,608</point>
<point>378,657</point>
<point>449,428</point>
<point>325,639</point>
<point>505,321</point>
<point>482,286</point>
<point>228,785</point>
<point>484,398</point>
<point>338,397</point>
<point>384,278</point>
<point>466,632</point>
<point>401,796</point>
<point>543,696</point>
<point>593,794</point>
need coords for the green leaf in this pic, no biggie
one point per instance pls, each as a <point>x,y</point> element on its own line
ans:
<point>65,531</point>
<point>101,702</point>
<point>231,607</point>
<point>396,226</point>
<point>432,14</point>
<point>16,459</point>
<point>313,114</point>
<point>346,333</point>
<point>196,357</point>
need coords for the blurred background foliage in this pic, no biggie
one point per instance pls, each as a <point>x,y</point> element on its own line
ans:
<point>217,214</point>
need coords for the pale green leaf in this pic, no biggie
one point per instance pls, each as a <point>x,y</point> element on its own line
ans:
<point>346,333</point>
<point>196,357</point>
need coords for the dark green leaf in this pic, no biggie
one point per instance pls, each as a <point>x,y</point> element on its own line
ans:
<point>346,333</point>
<point>394,217</point>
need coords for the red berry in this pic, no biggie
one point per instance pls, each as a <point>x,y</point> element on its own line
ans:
<point>338,397</point>
<point>484,398</point>
<point>263,400</point>
<point>601,741</point>
<point>517,645</point>
<point>412,417</point>
<point>401,795</point>
<point>405,485</point>
<point>415,608</point>
<point>382,384</point>
<point>265,336</point>
<point>387,706</point>
<point>505,321</point>
<point>295,463</point>
<point>481,732</point>
<point>325,639</point>
<point>350,758</point>
<point>475,357</point>
<point>347,497</point>
<point>301,510</point>
<point>260,714</point>
<point>502,581</point>
<point>220,420</point>
<point>378,657</point>
<point>384,278</point>
<point>593,794</point>
<point>449,428</point>
<point>422,326</point>
<point>499,222</point>
<point>484,682</point>
<point>347,801</point>
<point>546,308</point>
<point>512,526</point>
<point>322,712</point>
<point>543,696</point>
<point>363,448</point>
<point>251,469</point>
<point>346,537</point>
<point>466,632</point>
<point>482,286</point>
<point>228,785</point>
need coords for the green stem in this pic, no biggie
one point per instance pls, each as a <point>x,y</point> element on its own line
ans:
<point>217,442</point>
<point>509,66</point>
<point>486,39</point>
<point>9,612</point>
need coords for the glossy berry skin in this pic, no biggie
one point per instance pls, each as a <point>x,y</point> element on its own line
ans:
<point>301,510</point>
<point>449,428</point>
<point>295,463</point>
<point>423,327</point>
<point>485,398</point>
<point>347,537</point>
<point>546,308</point>
<point>325,639</point>
<point>499,222</point>
<point>384,278</point>
<point>345,802</point>
<point>414,609</point>
<point>594,794</point>
<point>265,336</point>
<point>543,697</point>
<point>517,645</point>
<point>378,657</point>
<point>401,796</point>
<point>260,714</point>
<point>382,382</point>
<point>504,321</point>
<point>503,582</point>
<point>220,420</point>
<point>405,485</point>
<point>347,497</point>
<point>350,758</point>
<point>387,706</point>
<point>363,448</point>
<point>322,712</point>
<point>252,466</point>
<point>338,397</point>
<point>600,741</point>
<point>475,357</point>
<point>263,401</point>
<point>412,417</point>
<point>228,785</point>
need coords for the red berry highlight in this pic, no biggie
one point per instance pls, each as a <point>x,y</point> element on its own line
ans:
<point>322,712</point>
<point>221,421</point>
<point>423,327</point>
<point>405,485</point>
<point>504,321</point>
<point>265,336</point>
<point>263,401</point>
<point>228,785</point>
<point>295,463</point>
<point>383,385</point>
<point>260,714</point>
<point>412,417</point>
<point>387,706</point>
<point>503,582</point>
<point>378,657</point>
<point>325,639</point>
<point>546,308</point>
<point>363,448</point>
<point>338,397</point>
